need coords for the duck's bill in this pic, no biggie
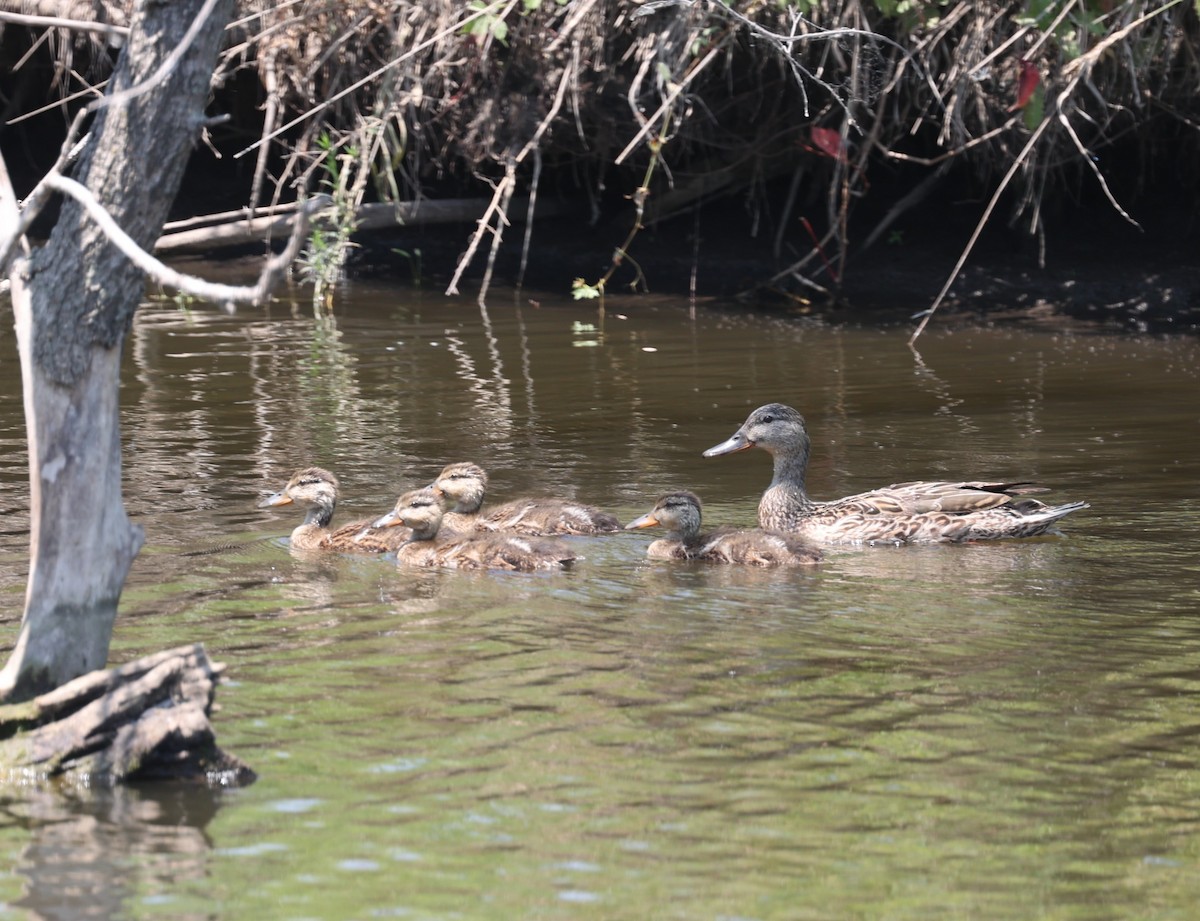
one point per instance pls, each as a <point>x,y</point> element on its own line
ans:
<point>738,442</point>
<point>646,521</point>
<point>390,520</point>
<point>276,499</point>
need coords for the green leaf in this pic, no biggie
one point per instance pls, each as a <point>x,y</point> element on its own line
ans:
<point>1035,109</point>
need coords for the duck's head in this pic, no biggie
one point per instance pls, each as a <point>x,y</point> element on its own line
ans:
<point>463,486</point>
<point>310,488</point>
<point>419,509</point>
<point>678,512</point>
<point>774,428</point>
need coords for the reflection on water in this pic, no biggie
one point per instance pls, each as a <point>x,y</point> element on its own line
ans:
<point>88,854</point>
<point>1002,730</point>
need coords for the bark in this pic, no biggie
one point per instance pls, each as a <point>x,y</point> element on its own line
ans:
<point>73,300</point>
<point>145,720</point>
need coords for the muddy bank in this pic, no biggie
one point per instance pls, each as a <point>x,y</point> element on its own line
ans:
<point>1097,269</point>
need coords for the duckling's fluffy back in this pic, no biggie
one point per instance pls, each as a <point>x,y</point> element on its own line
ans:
<point>489,551</point>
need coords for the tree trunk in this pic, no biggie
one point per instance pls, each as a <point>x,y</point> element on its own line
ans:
<point>74,299</point>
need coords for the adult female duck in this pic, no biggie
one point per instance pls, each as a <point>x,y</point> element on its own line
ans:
<point>900,513</point>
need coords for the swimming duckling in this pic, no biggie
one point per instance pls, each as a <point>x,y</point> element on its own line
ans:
<point>422,510</point>
<point>465,484</point>
<point>679,513</point>
<point>316,491</point>
<point>900,513</point>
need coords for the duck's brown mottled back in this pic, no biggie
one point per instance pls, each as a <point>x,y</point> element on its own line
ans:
<point>422,510</point>
<point>465,485</point>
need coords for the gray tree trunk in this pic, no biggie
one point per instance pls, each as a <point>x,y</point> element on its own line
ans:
<point>74,300</point>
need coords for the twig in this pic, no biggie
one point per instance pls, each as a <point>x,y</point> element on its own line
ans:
<point>1048,32</point>
<point>10,211</point>
<point>63,103</point>
<point>371,77</point>
<point>1088,59</point>
<point>57,22</point>
<point>1076,71</point>
<point>270,117</point>
<point>534,181</point>
<point>508,185</point>
<point>503,193</point>
<point>1087,158</point>
<point>1018,162</point>
<point>227,295</point>
<point>672,95</point>
<point>919,193</point>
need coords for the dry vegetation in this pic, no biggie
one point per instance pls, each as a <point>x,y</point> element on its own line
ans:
<point>672,103</point>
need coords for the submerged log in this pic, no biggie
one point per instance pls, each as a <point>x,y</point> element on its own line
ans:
<point>238,228</point>
<point>146,720</point>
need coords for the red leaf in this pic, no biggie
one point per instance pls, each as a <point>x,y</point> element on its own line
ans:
<point>1030,78</point>
<point>828,142</point>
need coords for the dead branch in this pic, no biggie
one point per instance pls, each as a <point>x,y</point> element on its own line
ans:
<point>504,190</point>
<point>226,295</point>
<point>73,22</point>
<point>1077,70</point>
<point>143,720</point>
<point>238,228</point>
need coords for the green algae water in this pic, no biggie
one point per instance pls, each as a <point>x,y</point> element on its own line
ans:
<point>990,731</point>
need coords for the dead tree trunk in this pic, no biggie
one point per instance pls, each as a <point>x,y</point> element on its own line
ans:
<point>74,299</point>
<point>146,720</point>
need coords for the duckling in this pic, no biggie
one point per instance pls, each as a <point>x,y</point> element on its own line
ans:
<point>900,513</point>
<point>423,509</point>
<point>680,514</point>
<point>465,484</point>
<point>316,491</point>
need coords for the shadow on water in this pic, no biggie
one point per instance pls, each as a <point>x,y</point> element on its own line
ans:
<point>1000,730</point>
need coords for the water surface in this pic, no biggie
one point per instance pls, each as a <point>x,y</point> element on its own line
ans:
<point>1002,730</point>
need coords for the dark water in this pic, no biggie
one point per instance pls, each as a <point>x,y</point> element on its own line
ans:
<point>1006,730</point>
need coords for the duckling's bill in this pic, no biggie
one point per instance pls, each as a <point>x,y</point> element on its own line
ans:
<point>390,520</point>
<point>646,521</point>
<point>279,498</point>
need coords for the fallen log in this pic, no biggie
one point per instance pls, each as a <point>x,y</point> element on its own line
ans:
<point>238,228</point>
<point>146,720</point>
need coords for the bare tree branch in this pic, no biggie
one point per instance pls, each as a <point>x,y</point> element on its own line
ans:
<point>58,22</point>
<point>226,295</point>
